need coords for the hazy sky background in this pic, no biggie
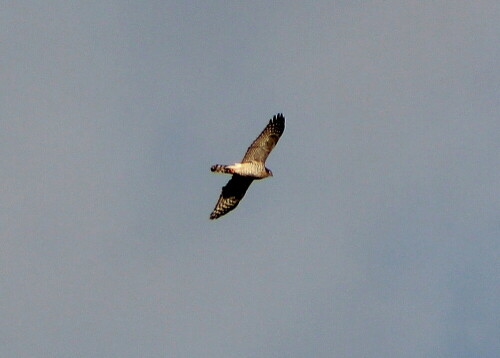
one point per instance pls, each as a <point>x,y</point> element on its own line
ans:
<point>378,235</point>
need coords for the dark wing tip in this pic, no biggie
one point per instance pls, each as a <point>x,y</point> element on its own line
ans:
<point>278,118</point>
<point>215,214</point>
<point>278,122</point>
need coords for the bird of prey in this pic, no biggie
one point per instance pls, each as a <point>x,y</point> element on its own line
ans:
<point>252,167</point>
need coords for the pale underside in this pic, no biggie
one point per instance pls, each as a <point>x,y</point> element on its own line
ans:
<point>252,167</point>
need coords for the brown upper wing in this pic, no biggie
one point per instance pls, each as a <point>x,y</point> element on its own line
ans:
<point>266,141</point>
<point>231,195</point>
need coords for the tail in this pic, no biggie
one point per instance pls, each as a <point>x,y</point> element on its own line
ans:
<point>219,168</point>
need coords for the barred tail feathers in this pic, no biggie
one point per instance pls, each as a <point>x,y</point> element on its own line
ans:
<point>219,168</point>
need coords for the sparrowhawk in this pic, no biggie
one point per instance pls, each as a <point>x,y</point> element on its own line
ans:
<point>252,167</point>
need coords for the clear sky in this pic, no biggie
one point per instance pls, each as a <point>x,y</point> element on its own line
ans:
<point>378,235</point>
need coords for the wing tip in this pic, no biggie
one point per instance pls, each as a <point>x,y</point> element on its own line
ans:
<point>214,215</point>
<point>278,118</point>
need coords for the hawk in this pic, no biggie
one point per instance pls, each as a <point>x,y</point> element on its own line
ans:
<point>252,167</point>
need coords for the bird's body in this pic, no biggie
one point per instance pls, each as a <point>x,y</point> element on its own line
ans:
<point>252,167</point>
<point>255,170</point>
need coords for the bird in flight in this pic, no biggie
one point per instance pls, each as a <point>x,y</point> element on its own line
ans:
<point>252,167</point>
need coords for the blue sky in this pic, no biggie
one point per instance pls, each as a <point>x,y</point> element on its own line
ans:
<point>377,235</point>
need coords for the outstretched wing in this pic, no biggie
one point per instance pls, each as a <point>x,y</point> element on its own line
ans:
<point>231,195</point>
<point>266,141</point>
